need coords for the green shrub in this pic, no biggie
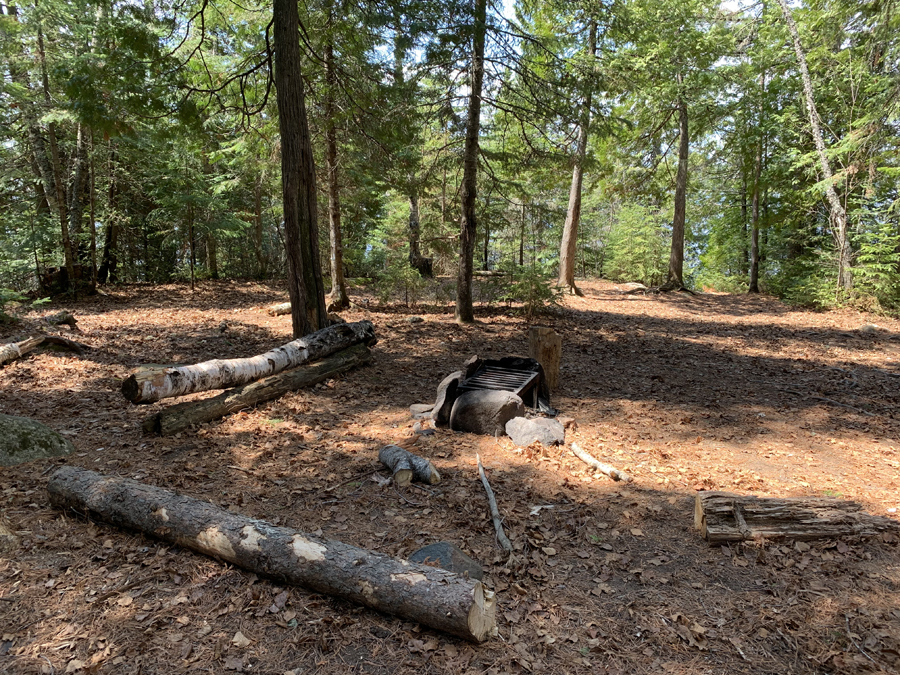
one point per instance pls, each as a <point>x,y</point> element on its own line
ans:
<point>638,248</point>
<point>532,285</point>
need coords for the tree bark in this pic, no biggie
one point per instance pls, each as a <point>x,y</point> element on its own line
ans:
<point>298,176</point>
<point>153,384</point>
<point>431,596</point>
<point>676,254</point>
<point>183,415</point>
<point>837,213</point>
<point>722,517</point>
<point>568,246</point>
<point>468,190</point>
<point>337,299</point>
<point>545,347</point>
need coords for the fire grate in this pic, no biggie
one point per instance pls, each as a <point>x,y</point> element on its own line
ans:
<point>523,383</point>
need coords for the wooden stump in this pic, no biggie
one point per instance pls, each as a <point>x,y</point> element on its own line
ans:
<point>722,517</point>
<point>407,467</point>
<point>545,347</point>
<point>431,596</point>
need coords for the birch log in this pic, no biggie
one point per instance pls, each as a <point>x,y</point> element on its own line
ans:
<point>279,309</point>
<point>182,415</point>
<point>153,384</point>
<point>431,596</point>
<point>14,350</point>
<point>722,517</point>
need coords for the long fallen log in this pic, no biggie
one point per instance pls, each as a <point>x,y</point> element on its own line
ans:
<point>722,517</point>
<point>15,350</point>
<point>182,415</point>
<point>152,384</point>
<point>428,595</point>
<point>599,466</point>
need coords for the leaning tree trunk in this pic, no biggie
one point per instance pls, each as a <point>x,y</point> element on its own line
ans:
<point>838,214</point>
<point>429,595</point>
<point>298,176</point>
<point>152,384</point>
<point>676,254</point>
<point>181,416</point>
<point>568,246</point>
<point>464,311</point>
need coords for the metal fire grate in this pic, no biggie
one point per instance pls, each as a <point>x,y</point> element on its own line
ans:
<point>523,383</point>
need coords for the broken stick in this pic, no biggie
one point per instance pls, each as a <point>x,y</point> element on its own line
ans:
<point>495,513</point>
<point>407,467</point>
<point>428,595</point>
<point>597,465</point>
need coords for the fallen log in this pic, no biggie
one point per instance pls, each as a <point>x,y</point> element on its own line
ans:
<point>152,384</point>
<point>182,415</point>
<point>505,544</point>
<point>428,595</point>
<point>597,465</point>
<point>279,309</point>
<point>15,350</point>
<point>407,467</point>
<point>64,317</point>
<point>722,517</point>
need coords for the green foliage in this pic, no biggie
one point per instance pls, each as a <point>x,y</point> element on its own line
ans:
<point>877,269</point>
<point>532,285</point>
<point>11,303</point>
<point>400,281</point>
<point>637,247</point>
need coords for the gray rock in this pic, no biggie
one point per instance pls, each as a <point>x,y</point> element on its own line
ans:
<point>524,431</point>
<point>414,319</point>
<point>24,440</point>
<point>421,410</point>
<point>446,396</point>
<point>449,557</point>
<point>471,366</point>
<point>485,411</point>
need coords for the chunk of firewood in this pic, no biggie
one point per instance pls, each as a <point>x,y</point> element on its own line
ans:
<point>407,467</point>
<point>182,415</point>
<point>545,347</point>
<point>15,350</point>
<point>279,309</point>
<point>599,466</point>
<point>153,384</point>
<point>722,517</point>
<point>64,317</point>
<point>428,595</point>
<point>495,512</point>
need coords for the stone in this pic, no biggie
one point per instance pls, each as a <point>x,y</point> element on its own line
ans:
<point>524,432</point>
<point>414,319</point>
<point>485,411</point>
<point>471,366</point>
<point>449,557</point>
<point>420,411</point>
<point>567,422</point>
<point>24,440</point>
<point>446,396</point>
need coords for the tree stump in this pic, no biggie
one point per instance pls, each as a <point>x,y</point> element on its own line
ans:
<point>431,596</point>
<point>545,347</point>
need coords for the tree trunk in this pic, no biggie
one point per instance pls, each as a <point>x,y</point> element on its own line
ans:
<point>467,231</point>
<point>261,266</point>
<point>152,384</point>
<point>522,238</point>
<point>676,255</point>
<point>76,196</point>
<point>434,597</point>
<point>837,213</point>
<point>212,255</point>
<point>298,177</point>
<point>93,216</point>
<point>722,517</point>
<point>183,415</point>
<point>337,299</point>
<point>567,248</point>
<point>109,262</point>
<point>754,214</point>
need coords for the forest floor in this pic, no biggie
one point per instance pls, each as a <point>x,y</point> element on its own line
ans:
<point>683,392</point>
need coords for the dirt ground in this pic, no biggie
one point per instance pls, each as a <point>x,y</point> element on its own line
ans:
<point>683,392</point>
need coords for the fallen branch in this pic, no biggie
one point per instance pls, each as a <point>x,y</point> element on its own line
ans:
<point>16,350</point>
<point>722,517</point>
<point>182,415</point>
<point>66,343</point>
<point>597,465</point>
<point>431,596</point>
<point>407,467</point>
<point>152,384</point>
<point>64,317</point>
<point>279,309</point>
<point>495,513</point>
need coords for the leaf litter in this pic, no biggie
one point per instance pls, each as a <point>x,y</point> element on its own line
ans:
<point>683,393</point>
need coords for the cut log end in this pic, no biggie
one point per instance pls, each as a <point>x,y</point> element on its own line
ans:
<point>482,620</point>
<point>406,467</point>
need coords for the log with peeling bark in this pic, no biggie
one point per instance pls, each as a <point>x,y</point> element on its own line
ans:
<point>152,384</point>
<point>599,466</point>
<point>279,309</point>
<point>183,415</point>
<point>722,517</point>
<point>407,467</point>
<point>428,595</point>
<point>15,350</point>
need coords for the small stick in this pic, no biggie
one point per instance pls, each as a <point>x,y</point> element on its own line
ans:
<point>597,465</point>
<point>495,514</point>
